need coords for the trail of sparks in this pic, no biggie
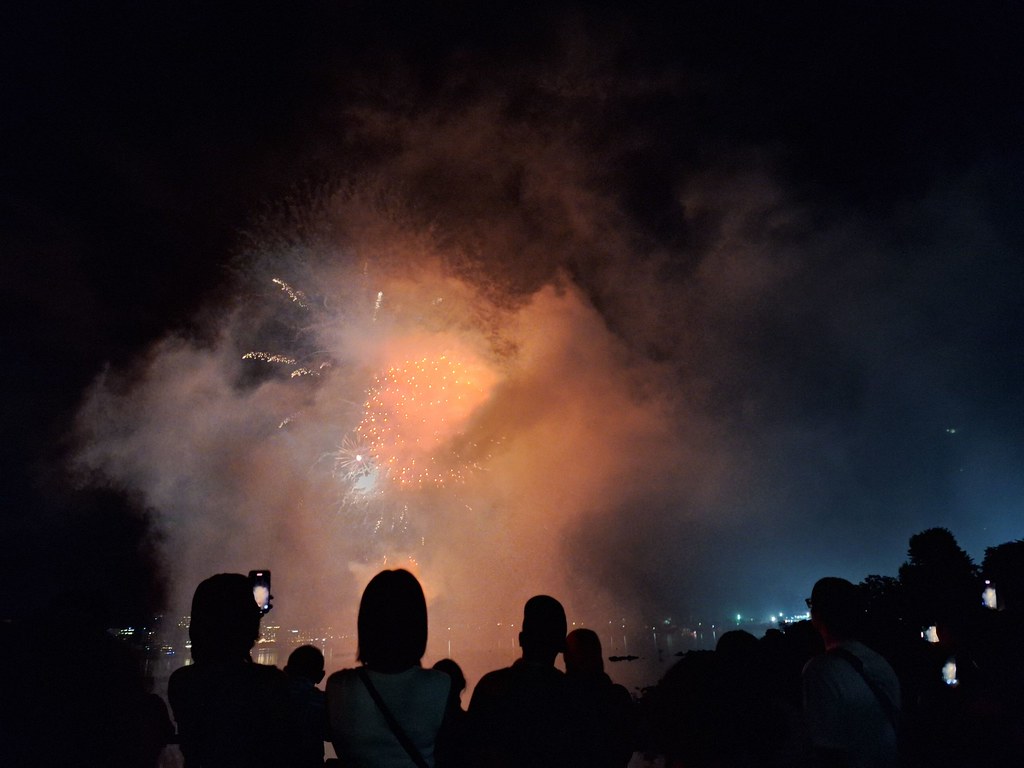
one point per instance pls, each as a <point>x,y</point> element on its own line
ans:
<point>297,296</point>
<point>412,432</point>
<point>267,357</point>
<point>413,413</point>
<point>274,359</point>
<point>353,461</point>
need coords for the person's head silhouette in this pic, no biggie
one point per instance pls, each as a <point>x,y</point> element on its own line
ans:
<point>583,654</point>
<point>544,626</point>
<point>225,618</point>
<point>837,609</point>
<point>454,671</point>
<point>307,662</point>
<point>392,622</point>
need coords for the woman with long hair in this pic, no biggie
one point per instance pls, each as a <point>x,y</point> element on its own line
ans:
<point>389,712</point>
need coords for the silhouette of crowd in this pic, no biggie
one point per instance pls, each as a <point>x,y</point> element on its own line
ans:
<point>920,670</point>
<point>390,710</point>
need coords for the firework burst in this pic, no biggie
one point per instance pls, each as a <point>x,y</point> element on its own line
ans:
<point>411,428</point>
<point>416,416</point>
<point>353,462</point>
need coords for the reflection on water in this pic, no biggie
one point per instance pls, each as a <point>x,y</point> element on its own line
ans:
<point>636,656</point>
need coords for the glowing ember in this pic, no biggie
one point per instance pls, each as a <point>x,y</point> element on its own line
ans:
<point>415,414</point>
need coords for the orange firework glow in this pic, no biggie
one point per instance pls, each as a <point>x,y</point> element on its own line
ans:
<point>416,416</point>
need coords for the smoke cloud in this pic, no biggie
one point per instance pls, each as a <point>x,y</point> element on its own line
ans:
<point>268,459</point>
<point>669,380</point>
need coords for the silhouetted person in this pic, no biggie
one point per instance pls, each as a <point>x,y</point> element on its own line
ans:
<point>522,715</point>
<point>750,725</point>
<point>455,747</point>
<point>73,695</point>
<point>713,709</point>
<point>851,694</point>
<point>605,710</point>
<point>305,668</point>
<point>677,710</point>
<point>402,724</point>
<point>784,655</point>
<point>231,711</point>
<point>454,671</point>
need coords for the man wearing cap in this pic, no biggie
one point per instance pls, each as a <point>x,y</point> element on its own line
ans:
<point>851,694</point>
<point>523,715</point>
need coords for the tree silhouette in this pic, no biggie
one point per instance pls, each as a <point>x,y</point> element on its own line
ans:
<point>941,584</point>
<point>885,605</point>
<point>1004,567</point>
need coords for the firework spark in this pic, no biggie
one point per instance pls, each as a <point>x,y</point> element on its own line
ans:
<point>297,296</point>
<point>273,358</point>
<point>268,357</point>
<point>415,414</point>
<point>353,461</point>
<point>412,428</point>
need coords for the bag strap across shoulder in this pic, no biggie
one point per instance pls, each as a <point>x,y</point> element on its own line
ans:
<point>891,713</point>
<point>396,729</point>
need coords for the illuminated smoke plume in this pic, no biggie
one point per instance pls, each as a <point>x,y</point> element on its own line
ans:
<point>378,401</point>
<point>415,415</point>
<point>510,396</point>
<point>426,365</point>
<point>478,356</point>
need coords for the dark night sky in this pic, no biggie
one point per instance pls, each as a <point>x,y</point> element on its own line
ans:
<point>139,142</point>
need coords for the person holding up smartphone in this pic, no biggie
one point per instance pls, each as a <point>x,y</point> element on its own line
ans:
<point>230,711</point>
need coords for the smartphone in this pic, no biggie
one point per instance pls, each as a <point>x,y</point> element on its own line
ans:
<point>260,581</point>
<point>949,672</point>
<point>989,598</point>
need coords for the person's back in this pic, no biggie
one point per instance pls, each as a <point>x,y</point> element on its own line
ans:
<point>517,716</point>
<point>453,751</point>
<point>233,713</point>
<point>522,715</point>
<point>605,711</point>
<point>851,694</point>
<point>390,712</point>
<point>230,711</point>
<point>843,713</point>
<point>305,668</point>
<point>416,697</point>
